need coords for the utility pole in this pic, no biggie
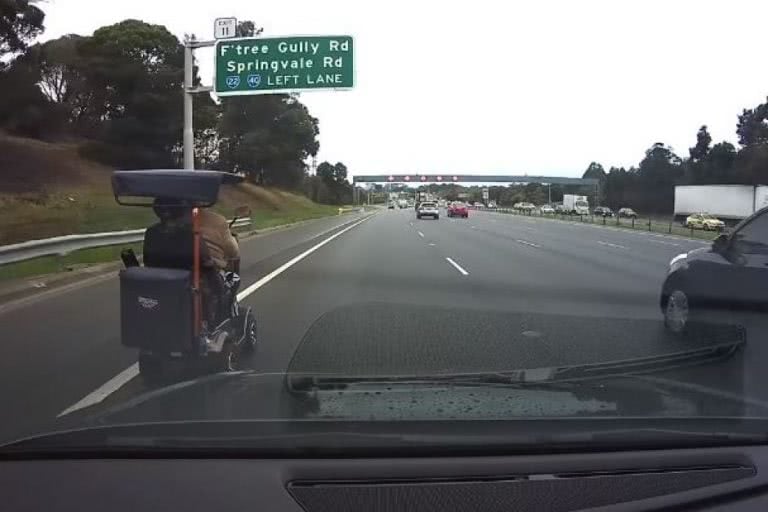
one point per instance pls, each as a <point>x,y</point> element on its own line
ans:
<point>190,44</point>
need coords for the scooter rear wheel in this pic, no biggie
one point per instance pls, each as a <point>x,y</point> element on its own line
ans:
<point>249,343</point>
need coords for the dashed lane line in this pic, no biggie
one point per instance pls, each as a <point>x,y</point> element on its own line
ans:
<point>457,266</point>
<point>615,246</point>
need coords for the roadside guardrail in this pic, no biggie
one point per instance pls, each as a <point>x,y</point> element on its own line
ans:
<point>60,245</point>
<point>639,223</point>
<point>351,209</point>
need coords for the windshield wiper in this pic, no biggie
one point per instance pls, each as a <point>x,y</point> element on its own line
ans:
<point>533,376</point>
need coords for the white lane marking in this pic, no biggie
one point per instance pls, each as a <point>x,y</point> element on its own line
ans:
<point>285,266</point>
<point>526,242</point>
<point>474,227</point>
<point>132,371</point>
<point>411,223</point>
<point>617,246</point>
<point>106,389</point>
<point>663,242</point>
<point>457,266</point>
<point>420,234</point>
<point>431,244</point>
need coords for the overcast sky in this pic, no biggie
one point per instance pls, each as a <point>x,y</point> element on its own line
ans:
<point>537,87</point>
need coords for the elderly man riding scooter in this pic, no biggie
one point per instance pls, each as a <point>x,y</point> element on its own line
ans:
<point>180,309</point>
<point>164,247</point>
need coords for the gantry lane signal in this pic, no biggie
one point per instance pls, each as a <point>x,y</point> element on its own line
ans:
<point>420,177</point>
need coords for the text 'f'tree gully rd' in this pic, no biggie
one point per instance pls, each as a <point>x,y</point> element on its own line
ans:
<point>267,65</point>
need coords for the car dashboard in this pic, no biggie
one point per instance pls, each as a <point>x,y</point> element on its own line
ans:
<point>732,478</point>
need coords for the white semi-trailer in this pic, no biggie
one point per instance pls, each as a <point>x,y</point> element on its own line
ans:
<point>723,201</point>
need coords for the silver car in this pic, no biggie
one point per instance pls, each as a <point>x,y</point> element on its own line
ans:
<point>428,209</point>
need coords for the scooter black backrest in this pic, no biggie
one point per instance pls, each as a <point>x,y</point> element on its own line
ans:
<point>172,247</point>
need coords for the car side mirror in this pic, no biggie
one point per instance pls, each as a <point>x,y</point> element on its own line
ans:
<point>720,244</point>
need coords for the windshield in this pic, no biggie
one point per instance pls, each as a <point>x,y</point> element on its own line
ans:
<point>336,223</point>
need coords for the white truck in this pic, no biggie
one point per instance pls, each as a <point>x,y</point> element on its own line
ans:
<point>732,202</point>
<point>575,205</point>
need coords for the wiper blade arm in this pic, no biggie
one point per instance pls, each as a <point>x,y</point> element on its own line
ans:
<point>533,376</point>
<point>637,365</point>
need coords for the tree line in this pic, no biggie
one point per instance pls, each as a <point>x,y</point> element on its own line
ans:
<point>120,91</point>
<point>649,186</point>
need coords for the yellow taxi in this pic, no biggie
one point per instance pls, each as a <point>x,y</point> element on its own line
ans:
<point>704,221</point>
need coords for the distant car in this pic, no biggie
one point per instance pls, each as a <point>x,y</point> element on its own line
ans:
<point>458,210</point>
<point>428,209</point>
<point>726,278</point>
<point>391,206</point>
<point>603,211</point>
<point>525,207</point>
<point>704,221</point>
<point>491,204</point>
<point>560,208</point>
<point>627,213</point>
<point>547,209</point>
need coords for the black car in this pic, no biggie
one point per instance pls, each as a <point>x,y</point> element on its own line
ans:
<point>726,278</point>
<point>603,211</point>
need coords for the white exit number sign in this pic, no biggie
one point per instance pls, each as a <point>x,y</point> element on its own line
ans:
<point>224,28</point>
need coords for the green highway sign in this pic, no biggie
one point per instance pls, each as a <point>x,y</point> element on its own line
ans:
<point>262,65</point>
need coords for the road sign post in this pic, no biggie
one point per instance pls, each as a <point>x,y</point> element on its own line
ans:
<point>261,65</point>
<point>189,90</point>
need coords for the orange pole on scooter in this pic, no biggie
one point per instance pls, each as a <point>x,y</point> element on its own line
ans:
<point>197,297</point>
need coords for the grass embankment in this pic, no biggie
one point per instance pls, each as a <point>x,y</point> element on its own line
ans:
<point>47,189</point>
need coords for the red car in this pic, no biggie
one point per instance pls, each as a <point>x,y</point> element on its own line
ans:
<point>458,210</point>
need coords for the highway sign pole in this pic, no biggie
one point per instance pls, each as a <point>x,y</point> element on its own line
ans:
<point>189,132</point>
<point>189,90</point>
<point>223,28</point>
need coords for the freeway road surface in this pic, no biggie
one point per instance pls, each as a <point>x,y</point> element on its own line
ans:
<point>384,293</point>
